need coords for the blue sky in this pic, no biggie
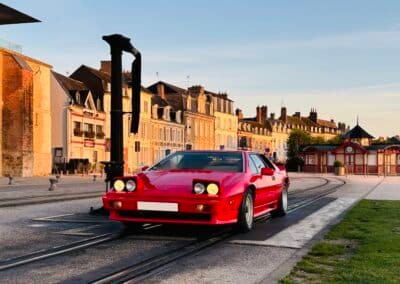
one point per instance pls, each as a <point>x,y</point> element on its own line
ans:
<point>341,57</point>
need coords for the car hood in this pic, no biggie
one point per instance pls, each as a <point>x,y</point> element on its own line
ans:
<point>179,181</point>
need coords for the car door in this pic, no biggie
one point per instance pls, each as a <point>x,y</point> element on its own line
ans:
<point>275,181</point>
<point>260,182</point>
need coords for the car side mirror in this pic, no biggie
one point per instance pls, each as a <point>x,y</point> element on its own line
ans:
<point>267,172</point>
<point>144,168</point>
<point>282,168</point>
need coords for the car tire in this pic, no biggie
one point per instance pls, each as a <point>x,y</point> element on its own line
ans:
<point>246,213</point>
<point>282,204</point>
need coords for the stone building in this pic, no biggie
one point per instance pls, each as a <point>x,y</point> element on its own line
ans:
<point>78,127</point>
<point>253,133</point>
<point>137,147</point>
<point>357,153</point>
<point>25,117</point>
<point>198,113</point>
<point>226,122</point>
<point>168,130</point>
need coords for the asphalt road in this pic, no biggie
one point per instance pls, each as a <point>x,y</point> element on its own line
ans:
<point>260,256</point>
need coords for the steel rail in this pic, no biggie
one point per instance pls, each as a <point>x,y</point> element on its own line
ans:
<point>139,271</point>
<point>59,250</point>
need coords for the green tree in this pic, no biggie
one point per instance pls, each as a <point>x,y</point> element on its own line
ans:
<point>338,139</point>
<point>297,138</point>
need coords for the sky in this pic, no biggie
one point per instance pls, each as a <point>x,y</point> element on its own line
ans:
<point>340,57</point>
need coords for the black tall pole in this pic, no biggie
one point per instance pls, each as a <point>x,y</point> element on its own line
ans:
<point>118,44</point>
<point>117,139</point>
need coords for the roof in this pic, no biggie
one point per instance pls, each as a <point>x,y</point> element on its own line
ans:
<point>157,100</point>
<point>381,146</point>
<point>9,15</point>
<point>99,74</point>
<point>357,132</point>
<point>218,95</point>
<point>320,147</point>
<point>326,123</point>
<point>69,83</point>
<point>295,120</point>
<point>21,62</point>
<point>169,88</point>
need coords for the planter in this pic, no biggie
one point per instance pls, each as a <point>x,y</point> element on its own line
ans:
<point>339,171</point>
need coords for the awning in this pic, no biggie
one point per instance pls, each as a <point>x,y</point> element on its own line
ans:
<point>11,16</point>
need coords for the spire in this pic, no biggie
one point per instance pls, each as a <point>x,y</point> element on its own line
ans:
<point>357,119</point>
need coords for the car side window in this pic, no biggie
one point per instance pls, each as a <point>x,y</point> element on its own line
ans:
<point>257,163</point>
<point>266,162</point>
<point>252,166</point>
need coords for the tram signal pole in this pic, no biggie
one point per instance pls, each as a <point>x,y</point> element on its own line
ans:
<point>119,44</point>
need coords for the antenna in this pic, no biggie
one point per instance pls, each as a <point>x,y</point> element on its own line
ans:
<point>187,80</point>
<point>357,119</point>
<point>157,75</point>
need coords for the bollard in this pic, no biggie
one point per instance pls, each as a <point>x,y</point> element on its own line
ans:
<point>94,177</point>
<point>10,179</point>
<point>53,182</point>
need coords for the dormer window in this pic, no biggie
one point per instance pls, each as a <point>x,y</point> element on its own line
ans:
<point>98,104</point>
<point>78,98</point>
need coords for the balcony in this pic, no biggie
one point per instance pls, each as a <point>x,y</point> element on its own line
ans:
<point>100,135</point>
<point>89,134</point>
<point>78,132</point>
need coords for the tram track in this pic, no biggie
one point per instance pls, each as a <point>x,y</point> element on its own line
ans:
<point>139,271</point>
<point>145,267</point>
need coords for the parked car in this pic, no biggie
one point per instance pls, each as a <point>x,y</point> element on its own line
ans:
<point>201,187</point>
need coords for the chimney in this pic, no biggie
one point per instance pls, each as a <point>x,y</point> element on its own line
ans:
<point>258,117</point>
<point>239,113</point>
<point>283,114</point>
<point>105,66</point>
<point>272,115</point>
<point>196,90</point>
<point>313,115</point>
<point>297,114</point>
<point>264,114</point>
<point>160,90</point>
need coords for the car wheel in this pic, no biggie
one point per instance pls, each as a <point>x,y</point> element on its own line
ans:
<point>282,204</point>
<point>246,213</point>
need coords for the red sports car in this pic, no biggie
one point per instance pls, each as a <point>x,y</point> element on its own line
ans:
<point>201,187</point>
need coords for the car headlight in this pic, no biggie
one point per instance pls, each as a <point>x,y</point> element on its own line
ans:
<point>212,188</point>
<point>130,185</point>
<point>199,188</point>
<point>119,185</point>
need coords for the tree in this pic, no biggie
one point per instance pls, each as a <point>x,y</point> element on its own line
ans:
<point>337,140</point>
<point>297,138</point>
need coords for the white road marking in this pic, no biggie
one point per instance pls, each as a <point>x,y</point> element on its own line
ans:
<point>38,225</point>
<point>152,227</point>
<point>299,234</point>
<point>53,217</point>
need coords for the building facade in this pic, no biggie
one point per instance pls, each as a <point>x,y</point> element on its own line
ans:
<point>168,131</point>
<point>254,133</point>
<point>25,119</point>
<point>226,122</point>
<point>198,113</point>
<point>357,154</point>
<point>78,127</point>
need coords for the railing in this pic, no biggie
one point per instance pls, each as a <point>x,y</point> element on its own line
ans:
<point>78,132</point>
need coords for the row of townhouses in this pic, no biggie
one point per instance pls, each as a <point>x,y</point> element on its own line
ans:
<point>50,121</point>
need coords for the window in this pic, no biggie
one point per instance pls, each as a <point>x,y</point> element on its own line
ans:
<point>252,167</point>
<point>257,162</point>
<point>267,162</point>
<point>145,106</point>
<point>99,132</point>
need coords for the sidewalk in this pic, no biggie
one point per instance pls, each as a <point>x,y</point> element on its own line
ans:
<point>44,180</point>
<point>389,189</point>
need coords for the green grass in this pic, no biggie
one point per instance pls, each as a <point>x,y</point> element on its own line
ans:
<point>363,248</point>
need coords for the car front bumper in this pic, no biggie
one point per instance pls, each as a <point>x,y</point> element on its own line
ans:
<point>206,211</point>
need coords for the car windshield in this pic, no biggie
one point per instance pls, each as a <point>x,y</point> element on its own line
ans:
<point>213,161</point>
